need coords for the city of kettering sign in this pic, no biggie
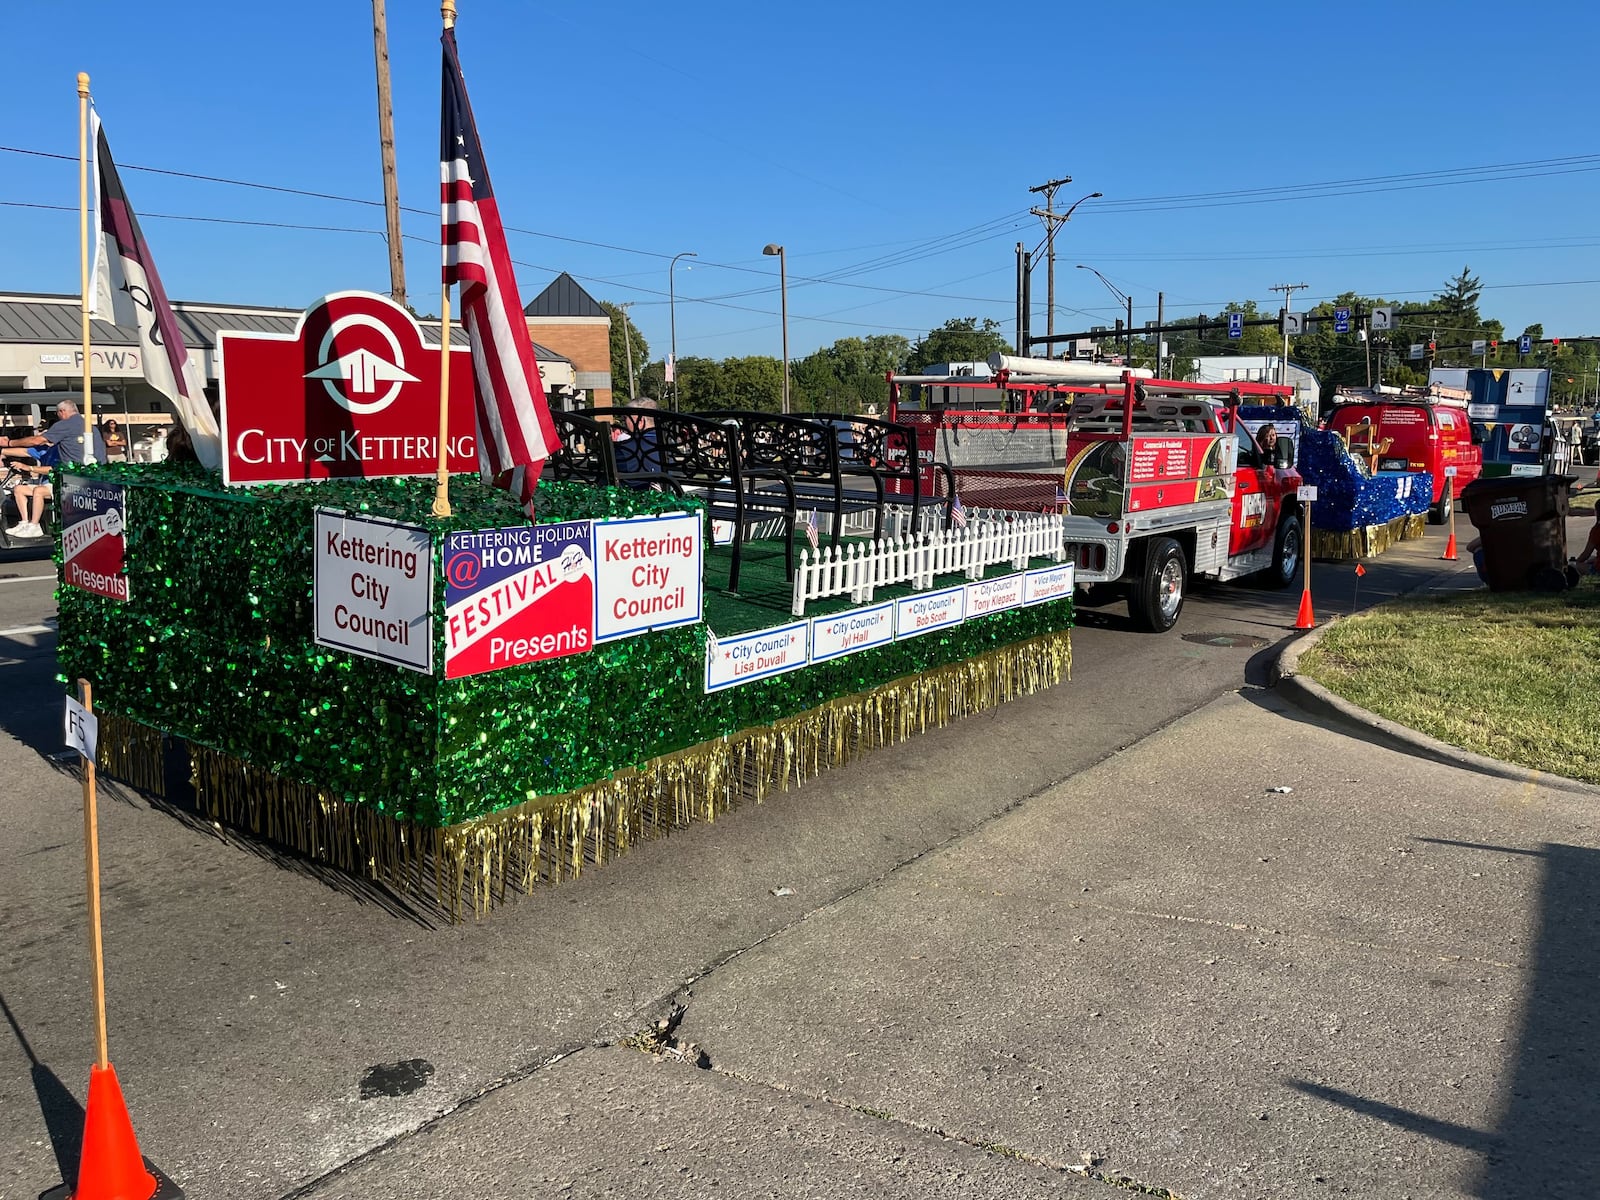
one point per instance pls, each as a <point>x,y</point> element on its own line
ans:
<point>353,392</point>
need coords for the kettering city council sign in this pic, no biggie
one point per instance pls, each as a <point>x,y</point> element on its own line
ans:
<point>353,392</point>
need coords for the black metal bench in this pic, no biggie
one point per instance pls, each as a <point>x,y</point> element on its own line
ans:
<point>698,456</point>
<point>585,453</point>
<point>807,451</point>
<point>890,450</point>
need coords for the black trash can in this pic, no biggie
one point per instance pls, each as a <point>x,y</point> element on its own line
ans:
<point>1522,520</point>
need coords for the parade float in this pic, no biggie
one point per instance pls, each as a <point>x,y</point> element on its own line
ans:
<point>465,706</point>
<point>1358,512</point>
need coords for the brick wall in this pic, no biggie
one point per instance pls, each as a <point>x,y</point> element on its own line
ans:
<point>584,340</point>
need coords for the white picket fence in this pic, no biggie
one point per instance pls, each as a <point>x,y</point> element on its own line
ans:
<point>857,569</point>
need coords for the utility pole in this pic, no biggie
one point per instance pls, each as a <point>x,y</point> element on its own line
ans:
<point>1051,220</point>
<point>1022,333</point>
<point>1288,290</point>
<point>391,188</point>
<point>1161,319</point>
<point>627,341</point>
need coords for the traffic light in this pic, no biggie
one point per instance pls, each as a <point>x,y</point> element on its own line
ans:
<point>1432,346</point>
<point>1555,343</point>
<point>1494,343</point>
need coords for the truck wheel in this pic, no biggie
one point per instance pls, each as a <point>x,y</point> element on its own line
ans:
<point>1287,547</point>
<point>1156,598</point>
<point>1440,512</point>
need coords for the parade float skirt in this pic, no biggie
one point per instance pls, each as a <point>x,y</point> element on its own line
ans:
<point>201,644</point>
<point>1358,514</point>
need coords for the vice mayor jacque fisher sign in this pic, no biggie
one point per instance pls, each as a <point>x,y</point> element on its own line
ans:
<point>353,392</point>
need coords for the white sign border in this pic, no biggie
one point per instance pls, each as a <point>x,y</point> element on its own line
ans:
<point>699,575</point>
<point>959,589</point>
<point>712,643</point>
<point>849,612</point>
<point>431,575</point>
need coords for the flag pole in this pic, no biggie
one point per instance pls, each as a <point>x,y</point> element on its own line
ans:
<point>441,494</point>
<point>83,262</point>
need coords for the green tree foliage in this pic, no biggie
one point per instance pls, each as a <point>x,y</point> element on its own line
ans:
<point>960,339</point>
<point>622,329</point>
<point>848,376</point>
<point>754,384</point>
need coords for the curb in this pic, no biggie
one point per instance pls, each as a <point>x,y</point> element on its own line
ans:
<point>1311,697</point>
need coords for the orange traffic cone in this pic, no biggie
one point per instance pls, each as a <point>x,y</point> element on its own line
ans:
<point>1307,619</point>
<point>1449,554</point>
<point>111,1167</point>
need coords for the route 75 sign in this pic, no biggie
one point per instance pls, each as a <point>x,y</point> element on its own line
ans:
<point>352,392</point>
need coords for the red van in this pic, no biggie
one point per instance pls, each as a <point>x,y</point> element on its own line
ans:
<point>1413,435</point>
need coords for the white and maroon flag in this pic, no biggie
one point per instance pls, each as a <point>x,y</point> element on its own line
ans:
<point>128,292</point>
<point>515,432</point>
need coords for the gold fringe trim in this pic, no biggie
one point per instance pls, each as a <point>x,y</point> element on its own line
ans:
<point>1367,540</point>
<point>132,752</point>
<point>552,838</point>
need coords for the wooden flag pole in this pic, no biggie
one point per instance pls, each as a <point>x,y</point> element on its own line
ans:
<point>83,259</point>
<point>91,841</point>
<point>441,494</point>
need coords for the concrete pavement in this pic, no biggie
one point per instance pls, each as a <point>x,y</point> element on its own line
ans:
<point>1259,993</point>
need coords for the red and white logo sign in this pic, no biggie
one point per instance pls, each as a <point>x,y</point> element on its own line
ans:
<point>353,392</point>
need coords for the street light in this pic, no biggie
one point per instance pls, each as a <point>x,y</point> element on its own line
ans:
<point>1120,295</point>
<point>783,301</point>
<point>1055,223</point>
<point>672,315</point>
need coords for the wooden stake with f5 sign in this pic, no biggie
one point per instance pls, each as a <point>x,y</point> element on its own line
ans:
<point>110,1164</point>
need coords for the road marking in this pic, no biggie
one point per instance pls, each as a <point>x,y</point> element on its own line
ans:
<point>23,630</point>
<point>27,579</point>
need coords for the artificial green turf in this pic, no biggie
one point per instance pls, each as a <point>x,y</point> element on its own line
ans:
<point>765,597</point>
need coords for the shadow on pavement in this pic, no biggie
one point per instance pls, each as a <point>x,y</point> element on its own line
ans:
<point>179,804</point>
<point>63,1115</point>
<point>1546,1140</point>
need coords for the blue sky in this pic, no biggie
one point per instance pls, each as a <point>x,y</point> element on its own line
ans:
<point>889,146</point>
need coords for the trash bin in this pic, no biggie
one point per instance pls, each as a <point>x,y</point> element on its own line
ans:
<point>1522,520</point>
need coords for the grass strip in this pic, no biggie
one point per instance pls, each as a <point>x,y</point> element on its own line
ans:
<point>1509,676</point>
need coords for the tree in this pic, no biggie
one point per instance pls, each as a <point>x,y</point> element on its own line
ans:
<point>1460,297</point>
<point>960,339</point>
<point>622,330</point>
<point>848,376</point>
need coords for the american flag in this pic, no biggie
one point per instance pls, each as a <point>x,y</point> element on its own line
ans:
<point>811,527</point>
<point>515,432</point>
<point>958,513</point>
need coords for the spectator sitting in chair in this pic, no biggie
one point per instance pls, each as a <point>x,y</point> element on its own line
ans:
<point>30,498</point>
<point>67,435</point>
<point>635,448</point>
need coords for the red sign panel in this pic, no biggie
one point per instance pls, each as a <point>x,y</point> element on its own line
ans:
<point>352,393</point>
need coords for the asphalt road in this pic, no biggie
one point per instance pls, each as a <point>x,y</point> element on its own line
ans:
<point>285,1031</point>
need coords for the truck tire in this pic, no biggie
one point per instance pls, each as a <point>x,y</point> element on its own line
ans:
<point>1440,512</point>
<point>1156,598</point>
<point>1288,545</point>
